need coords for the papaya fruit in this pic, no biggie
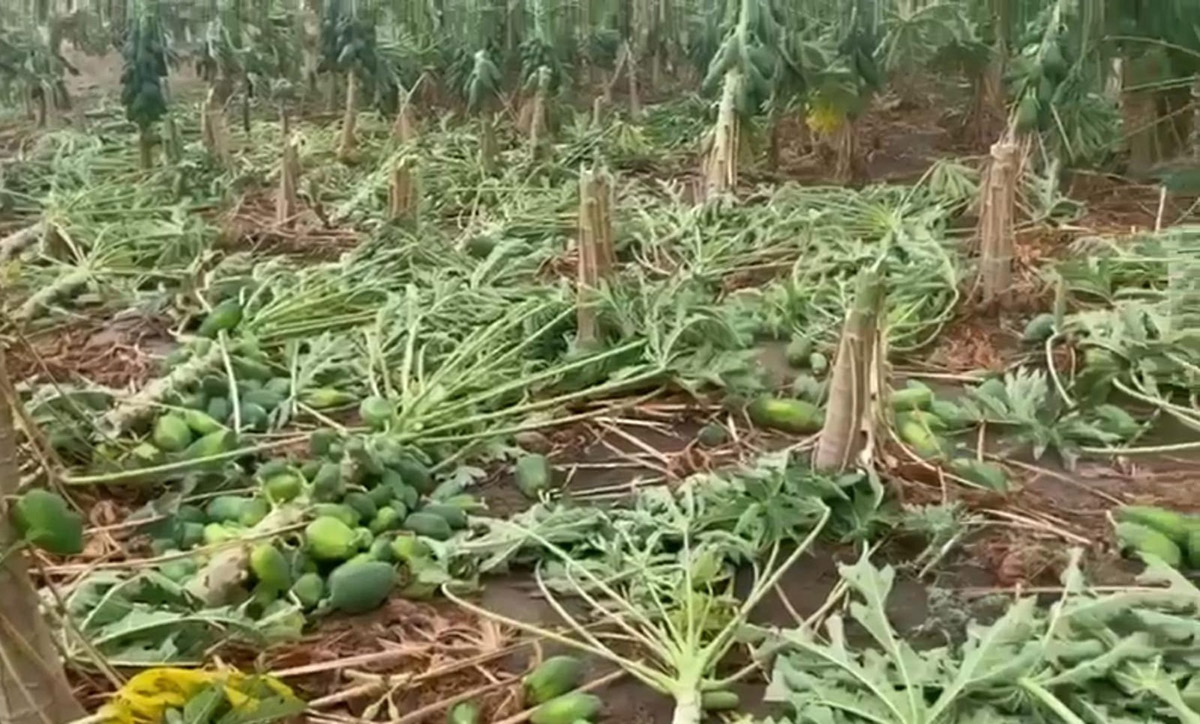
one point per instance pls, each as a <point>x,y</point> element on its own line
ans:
<point>309,589</point>
<point>553,677</point>
<point>381,495</point>
<point>211,444</point>
<point>327,483</point>
<point>454,516</point>
<point>464,712</point>
<point>254,417</point>
<point>1038,329</point>
<point>171,433</point>
<point>720,701</point>
<point>567,709</point>
<point>270,567</point>
<point>321,440</point>
<point>360,586</point>
<point>913,397</point>
<point>349,516</point>
<point>323,398</point>
<point>794,416</point>
<point>329,539</point>
<point>282,487</point>
<point>201,423</point>
<point>264,398</point>
<point>428,525</point>
<point>415,474</point>
<point>219,409</point>
<point>712,435</point>
<point>386,518</point>
<point>376,412</point>
<point>253,512</point>
<point>224,317</point>
<point>1145,540</point>
<point>362,504</point>
<point>225,508</point>
<point>1171,523</point>
<point>44,519</point>
<point>533,475</point>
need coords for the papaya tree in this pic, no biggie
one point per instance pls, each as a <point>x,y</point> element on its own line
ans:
<point>482,89</point>
<point>742,67</point>
<point>348,43</point>
<point>33,687</point>
<point>143,75</point>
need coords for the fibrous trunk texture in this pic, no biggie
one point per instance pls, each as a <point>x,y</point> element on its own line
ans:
<point>996,212</point>
<point>404,128</point>
<point>213,131</point>
<point>33,687</point>
<point>349,119</point>
<point>850,416</point>
<point>635,99</point>
<point>488,149</point>
<point>537,125</point>
<point>287,203</point>
<point>596,255</point>
<point>720,166</point>
<point>845,147</point>
<point>402,194</point>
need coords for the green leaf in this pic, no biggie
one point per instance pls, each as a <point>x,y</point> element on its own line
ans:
<point>203,706</point>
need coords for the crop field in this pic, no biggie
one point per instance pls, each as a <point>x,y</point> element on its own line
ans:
<point>638,361</point>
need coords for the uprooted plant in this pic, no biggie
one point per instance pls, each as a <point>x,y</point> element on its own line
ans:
<point>660,573</point>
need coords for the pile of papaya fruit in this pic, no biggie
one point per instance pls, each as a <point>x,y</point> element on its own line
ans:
<point>1169,535</point>
<point>922,421</point>
<point>369,520</point>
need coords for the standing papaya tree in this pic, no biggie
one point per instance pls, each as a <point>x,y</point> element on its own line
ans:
<point>482,91</point>
<point>742,66</point>
<point>143,75</point>
<point>840,85</point>
<point>348,42</point>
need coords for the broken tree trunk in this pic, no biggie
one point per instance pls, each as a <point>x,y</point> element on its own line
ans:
<point>595,247</point>
<point>997,208</point>
<point>213,131</point>
<point>720,165</point>
<point>635,99</point>
<point>404,128</point>
<point>287,203</point>
<point>854,388</point>
<point>33,687</point>
<point>349,119</point>
<point>402,193</point>
<point>488,148</point>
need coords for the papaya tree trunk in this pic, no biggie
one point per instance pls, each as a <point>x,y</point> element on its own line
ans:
<point>635,98</point>
<point>287,203</point>
<point>33,686</point>
<point>488,148</point>
<point>720,165</point>
<point>997,209</point>
<point>595,248</point>
<point>349,119</point>
<point>854,387</point>
<point>145,148</point>
<point>402,193</point>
